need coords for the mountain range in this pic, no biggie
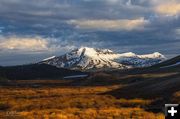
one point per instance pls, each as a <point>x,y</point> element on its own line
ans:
<point>88,59</point>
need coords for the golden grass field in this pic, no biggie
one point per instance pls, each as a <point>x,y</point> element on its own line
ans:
<point>69,102</point>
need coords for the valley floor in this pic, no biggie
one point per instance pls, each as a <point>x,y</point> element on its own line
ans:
<point>52,99</point>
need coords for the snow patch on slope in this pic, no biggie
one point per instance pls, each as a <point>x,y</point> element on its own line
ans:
<point>49,58</point>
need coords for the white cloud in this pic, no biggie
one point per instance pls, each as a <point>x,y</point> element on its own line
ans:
<point>177,31</point>
<point>166,7</point>
<point>26,44</point>
<point>171,8</point>
<point>121,24</point>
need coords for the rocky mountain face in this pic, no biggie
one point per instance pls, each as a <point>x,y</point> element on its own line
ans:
<point>86,58</point>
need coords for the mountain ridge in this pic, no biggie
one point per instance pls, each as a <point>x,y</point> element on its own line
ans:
<point>86,58</point>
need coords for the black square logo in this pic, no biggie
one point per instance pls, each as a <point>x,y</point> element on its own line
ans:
<point>172,111</point>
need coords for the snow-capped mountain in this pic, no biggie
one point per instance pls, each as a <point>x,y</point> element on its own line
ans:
<point>86,58</point>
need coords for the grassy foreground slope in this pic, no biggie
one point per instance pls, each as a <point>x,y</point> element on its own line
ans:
<point>54,101</point>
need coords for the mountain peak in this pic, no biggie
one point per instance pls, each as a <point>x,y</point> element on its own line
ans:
<point>158,54</point>
<point>91,52</point>
<point>86,58</point>
<point>153,55</point>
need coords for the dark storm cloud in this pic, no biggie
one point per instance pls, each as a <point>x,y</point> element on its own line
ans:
<point>62,25</point>
<point>68,9</point>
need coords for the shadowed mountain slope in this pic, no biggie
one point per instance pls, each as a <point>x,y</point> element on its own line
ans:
<point>35,71</point>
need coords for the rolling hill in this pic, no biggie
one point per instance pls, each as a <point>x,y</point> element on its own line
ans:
<point>35,71</point>
<point>160,83</point>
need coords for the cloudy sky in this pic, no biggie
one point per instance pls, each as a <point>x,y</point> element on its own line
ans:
<point>31,30</point>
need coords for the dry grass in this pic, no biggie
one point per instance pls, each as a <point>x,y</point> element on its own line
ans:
<point>91,113</point>
<point>176,97</point>
<point>70,103</point>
